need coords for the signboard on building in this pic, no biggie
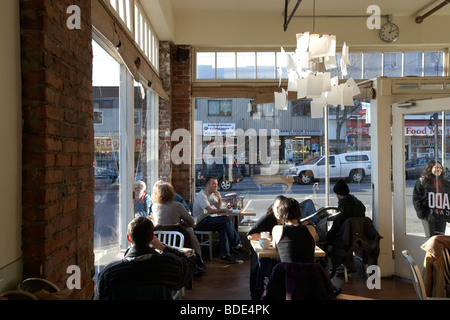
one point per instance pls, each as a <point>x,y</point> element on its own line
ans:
<point>111,144</point>
<point>306,132</point>
<point>215,129</point>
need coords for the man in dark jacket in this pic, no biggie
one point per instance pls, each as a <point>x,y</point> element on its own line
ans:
<point>143,270</point>
<point>350,205</point>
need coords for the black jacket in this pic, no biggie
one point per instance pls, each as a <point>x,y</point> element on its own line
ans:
<point>351,208</point>
<point>356,235</point>
<point>425,210</point>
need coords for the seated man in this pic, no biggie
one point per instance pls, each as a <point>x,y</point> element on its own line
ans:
<point>143,267</point>
<point>142,200</point>
<point>202,210</point>
<point>350,206</point>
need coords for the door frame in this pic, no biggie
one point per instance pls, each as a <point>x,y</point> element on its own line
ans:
<point>402,239</point>
<point>390,91</point>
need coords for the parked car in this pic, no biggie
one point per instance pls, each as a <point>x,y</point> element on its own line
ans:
<point>222,173</point>
<point>352,165</point>
<point>414,167</point>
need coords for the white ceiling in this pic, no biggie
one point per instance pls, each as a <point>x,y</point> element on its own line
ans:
<point>241,22</point>
<point>323,7</point>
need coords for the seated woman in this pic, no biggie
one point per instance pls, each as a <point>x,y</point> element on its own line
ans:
<point>266,222</point>
<point>166,211</point>
<point>294,241</point>
<point>261,268</point>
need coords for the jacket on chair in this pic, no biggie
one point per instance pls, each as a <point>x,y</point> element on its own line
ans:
<point>356,235</point>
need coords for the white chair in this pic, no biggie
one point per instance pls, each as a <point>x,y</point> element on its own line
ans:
<point>174,239</point>
<point>419,285</point>
<point>206,239</point>
<point>171,238</point>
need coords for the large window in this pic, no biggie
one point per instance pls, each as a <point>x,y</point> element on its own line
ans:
<point>261,152</point>
<point>125,133</point>
<point>265,65</point>
<point>139,26</point>
<point>107,135</point>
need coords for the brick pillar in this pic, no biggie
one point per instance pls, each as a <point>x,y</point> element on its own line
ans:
<point>165,111</point>
<point>182,115</point>
<point>175,73</point>
<point>58,143</point>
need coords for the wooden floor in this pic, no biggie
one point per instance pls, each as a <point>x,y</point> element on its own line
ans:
<point>231,282</point>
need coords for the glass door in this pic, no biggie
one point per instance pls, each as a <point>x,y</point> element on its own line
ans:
<point>421,152</point>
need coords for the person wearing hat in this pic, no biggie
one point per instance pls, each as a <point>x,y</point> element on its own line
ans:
<point>350,206</point>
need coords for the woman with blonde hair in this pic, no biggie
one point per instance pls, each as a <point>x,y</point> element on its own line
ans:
<point>166,211</point>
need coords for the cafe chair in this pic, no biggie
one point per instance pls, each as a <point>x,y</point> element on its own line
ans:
<point>418,283</point>
<point>171,238</point>
<point>299,281</point>
<point>205,239</point>
<point>34,285</point>
<point>357,237</point>
<point>174,239</point>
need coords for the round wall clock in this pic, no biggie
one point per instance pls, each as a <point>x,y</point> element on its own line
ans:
<point>389,32</point>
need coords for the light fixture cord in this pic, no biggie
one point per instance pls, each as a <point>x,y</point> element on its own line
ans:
<point>314,16</point>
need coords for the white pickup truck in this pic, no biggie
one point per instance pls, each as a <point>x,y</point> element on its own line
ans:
<point>353,165</point>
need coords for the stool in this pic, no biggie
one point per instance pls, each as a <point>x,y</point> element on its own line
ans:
<point>203,241</point>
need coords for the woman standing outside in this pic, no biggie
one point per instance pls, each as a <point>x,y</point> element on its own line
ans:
<point>430,199</point>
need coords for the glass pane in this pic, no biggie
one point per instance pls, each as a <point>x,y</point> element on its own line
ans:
<point>349,136</point>
<point>272,152</point>
<point>372,65</point>
<point>427,205</point>
<point>281,63</point>
<point>413,64</point>
<point>226,65</point>
<point>213,108</point>
<point>434,64</point>
<point>355,68</point>
<point>106,82</point>
<point>265,65</point>
<point>206,65</point>
<point>246,65</point>
<point>393,64</point>
<point>146,137</point>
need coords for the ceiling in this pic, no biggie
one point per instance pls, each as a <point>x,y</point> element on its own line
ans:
<point>323,7</point>
<point>219,23</point>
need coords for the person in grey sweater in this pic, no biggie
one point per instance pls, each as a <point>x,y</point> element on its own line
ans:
<point>166,211</point>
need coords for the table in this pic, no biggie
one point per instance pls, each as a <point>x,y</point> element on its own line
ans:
<point>234,215</point>
<point>271,252</point>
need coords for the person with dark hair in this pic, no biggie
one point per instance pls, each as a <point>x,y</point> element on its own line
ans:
<point>429,194</point>
<point>208,202</point>
<point>143,270</point>
<point>262,268</point>
<point>350,206</point>
<point>294,241</point>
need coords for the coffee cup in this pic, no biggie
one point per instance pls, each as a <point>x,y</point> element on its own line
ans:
<point>265,235</point>
<point>264,243</point>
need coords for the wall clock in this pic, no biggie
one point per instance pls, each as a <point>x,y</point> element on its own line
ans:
<point>389,32</point>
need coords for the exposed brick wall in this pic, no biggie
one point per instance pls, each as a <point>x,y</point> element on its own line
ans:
<point>165,111</point>
<point>181,119</point>
<point>58,147</point>
<point>176,114</point>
